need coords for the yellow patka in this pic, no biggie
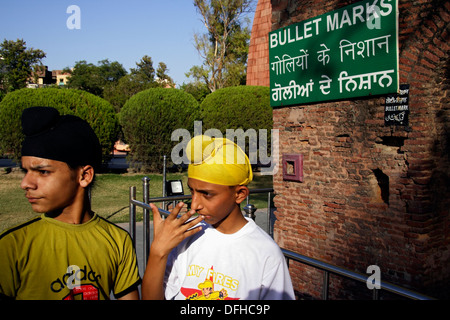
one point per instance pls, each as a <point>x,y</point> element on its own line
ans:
<point>218,161</point>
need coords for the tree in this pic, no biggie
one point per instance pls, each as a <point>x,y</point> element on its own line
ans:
<point>163,77</point>
<point>84,76</point>
<point>224,48</point>
<point>111,71</point>
<point>144,72</point>
<point>140,78</point>
<point>197,89</point>
<point>93,79</point>
<point>16,64</point>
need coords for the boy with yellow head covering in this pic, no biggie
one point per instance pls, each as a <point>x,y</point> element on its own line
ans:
<point>248,264</point>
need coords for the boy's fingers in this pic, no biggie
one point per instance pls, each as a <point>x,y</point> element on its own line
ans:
<point>192,231</point>
<point>156,215</point>
<point>191,223</point>
<point>186,222</point>
<point>174,214</point>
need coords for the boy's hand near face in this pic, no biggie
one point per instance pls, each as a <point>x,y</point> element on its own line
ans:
<point>172,231</point>
<point>168,234</point>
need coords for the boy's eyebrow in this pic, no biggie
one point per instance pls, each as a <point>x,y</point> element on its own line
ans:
<point>200,190</point>
<point>38,167</point>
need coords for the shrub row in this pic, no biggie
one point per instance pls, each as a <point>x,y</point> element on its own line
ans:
<point>95,110</point>
<point>147,119</point>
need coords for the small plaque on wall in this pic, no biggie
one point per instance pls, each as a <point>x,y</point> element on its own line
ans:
<point>293,167</point>
<point>396,110</point>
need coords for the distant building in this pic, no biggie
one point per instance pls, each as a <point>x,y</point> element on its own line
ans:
<point>60,77</point>
<point>165,83</point>
<point>43,77</point>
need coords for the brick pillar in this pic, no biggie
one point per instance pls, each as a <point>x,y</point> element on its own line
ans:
<point>258,55</point>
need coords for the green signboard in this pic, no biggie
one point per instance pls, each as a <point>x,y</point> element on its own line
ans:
<point>347,53</point>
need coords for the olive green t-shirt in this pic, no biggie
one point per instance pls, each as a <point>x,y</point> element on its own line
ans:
<point>47,259</point>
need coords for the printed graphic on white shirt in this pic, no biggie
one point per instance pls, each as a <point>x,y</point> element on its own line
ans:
<point>212,285</point>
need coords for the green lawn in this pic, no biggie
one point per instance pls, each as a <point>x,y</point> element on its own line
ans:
<point>110,195</point>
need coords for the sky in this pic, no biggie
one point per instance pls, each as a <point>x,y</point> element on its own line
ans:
<point>122,31</point>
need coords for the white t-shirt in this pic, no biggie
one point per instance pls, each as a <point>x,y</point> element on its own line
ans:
<point>210,265</point>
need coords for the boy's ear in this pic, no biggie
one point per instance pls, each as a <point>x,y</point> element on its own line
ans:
<point>241,193</point>
<point>86,175</point>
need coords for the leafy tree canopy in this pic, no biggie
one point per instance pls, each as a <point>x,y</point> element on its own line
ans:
<point>139,79</point>
<point>16,64</point>
<point>224,48</point>
<point>94,78</point>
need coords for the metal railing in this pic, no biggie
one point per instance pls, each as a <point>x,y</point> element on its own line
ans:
<point>250,210</point>
<point>331,269</point>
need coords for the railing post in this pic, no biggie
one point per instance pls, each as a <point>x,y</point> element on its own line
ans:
<point>164,181</point>
<point>250,211</point>
<point>133,215</point>
<point>326,278</point>
<point>146,227</point>
<point>269,224</point>
<point>375,295</point>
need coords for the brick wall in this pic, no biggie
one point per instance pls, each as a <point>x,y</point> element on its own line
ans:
<point>372,194</point>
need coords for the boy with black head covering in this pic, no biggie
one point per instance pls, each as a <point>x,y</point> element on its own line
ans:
<point>225,256</point>
<point>68,252</point>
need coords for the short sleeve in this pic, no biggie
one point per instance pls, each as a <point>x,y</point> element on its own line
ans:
<point>172,283</point>
<point>127,279</point>
<point>9,275</point>
<point>277,284</point>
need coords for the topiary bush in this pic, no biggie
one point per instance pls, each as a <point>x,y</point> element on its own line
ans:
<point>241,107</point>
<point>96,111</point>
<point>148,119</point>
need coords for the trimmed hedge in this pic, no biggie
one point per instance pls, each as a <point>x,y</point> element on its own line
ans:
<point>242,107</point>
<point>96,111</point>
<point>148,119</point>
